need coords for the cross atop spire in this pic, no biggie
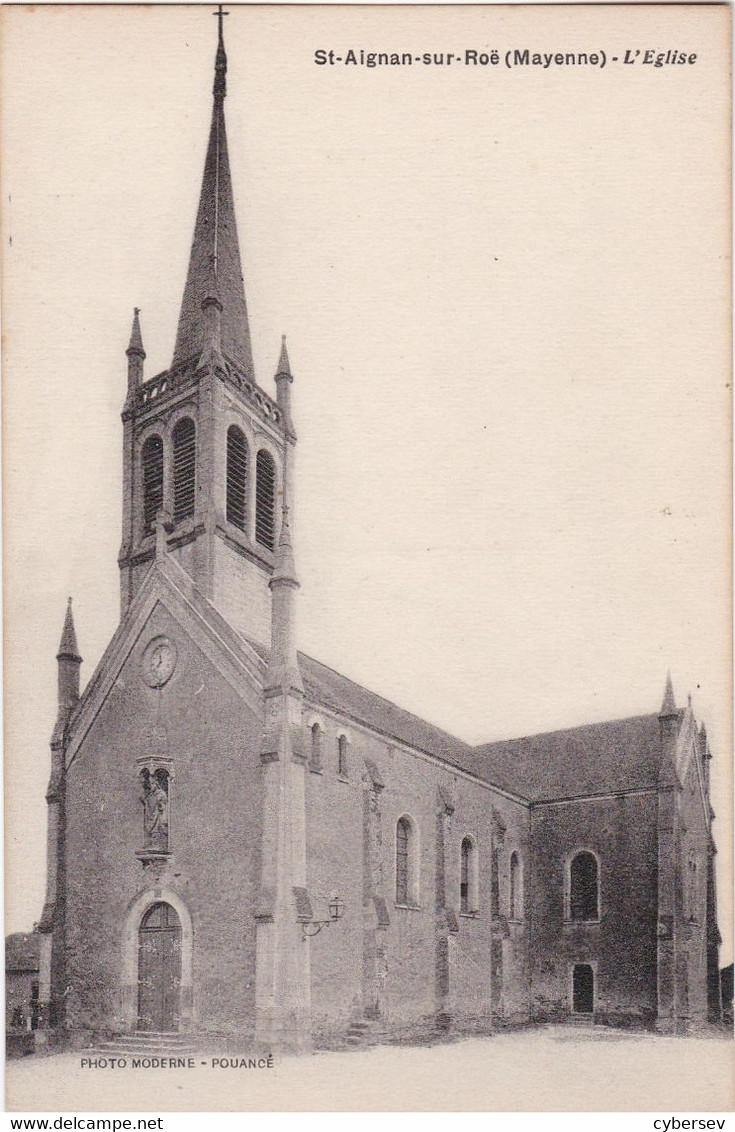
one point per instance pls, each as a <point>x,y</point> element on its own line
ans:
<point>220,63</point>
<point>215,249</point>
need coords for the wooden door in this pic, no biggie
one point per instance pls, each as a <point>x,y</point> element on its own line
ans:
<point>159,969</point>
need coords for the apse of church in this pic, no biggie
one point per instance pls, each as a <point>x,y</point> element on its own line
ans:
<point>243,842</point>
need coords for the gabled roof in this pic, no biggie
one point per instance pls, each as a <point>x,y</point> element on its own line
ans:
<point>598,758</point>
<point>333,690</point>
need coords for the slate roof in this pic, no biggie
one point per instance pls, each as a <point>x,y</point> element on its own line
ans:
<point>22,950</point>
<point>214,260</point>
<point>333,690</point>
<point>599,758</point>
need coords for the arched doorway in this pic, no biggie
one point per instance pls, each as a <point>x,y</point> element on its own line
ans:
<point>583,989</point>
<point>159,969</point>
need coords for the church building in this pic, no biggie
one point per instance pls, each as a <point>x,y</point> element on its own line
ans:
<point>244,843</point>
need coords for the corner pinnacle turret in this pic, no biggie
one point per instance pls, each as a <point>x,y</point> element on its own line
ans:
<point>668,707</point>
<point>135,345</point>
<point>68,647</point>
<point>284,380</point>
<point>215,249</point>
<point>68,663</point>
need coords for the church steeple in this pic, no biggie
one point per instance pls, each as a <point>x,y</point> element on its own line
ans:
<point>215,250</point>
<point>203,441</point>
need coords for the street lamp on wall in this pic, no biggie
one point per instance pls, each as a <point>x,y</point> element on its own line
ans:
<point>311,928</point>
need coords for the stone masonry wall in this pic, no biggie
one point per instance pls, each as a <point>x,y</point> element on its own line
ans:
<point>621,947</point>
<point>203,724</point>
<point>408,964</point>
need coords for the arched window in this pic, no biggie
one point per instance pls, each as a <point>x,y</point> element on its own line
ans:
<point>584,887</point>
<point>407,866</point>
<point>468,895</point>
<point>342,756</point>
<point>516,887</point>
<point>265,499</point>
<point>152,463</point>
<point>184,443</point>
<point>237,477</point>
<point>315,759</point>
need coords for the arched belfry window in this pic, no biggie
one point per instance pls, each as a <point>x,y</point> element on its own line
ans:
<point>407,863</point>
<point>237,477</point>
<point>265,499</point>
<point>152,466</point>
<point>516,887</point>
<point>468,893</point>
<point>184,445</point>
<point>584,887</point>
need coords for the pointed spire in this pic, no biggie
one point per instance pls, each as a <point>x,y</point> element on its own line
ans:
<point>284,380</point>
<point>284,366</point>
<point>135,346</point>
<point>668,707</point>
<point>136,357</point>
<point>215,251</point>
<point>220,62</point>
<point>68,647</point>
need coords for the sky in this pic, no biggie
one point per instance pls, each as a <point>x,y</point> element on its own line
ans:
<point>506,295</point>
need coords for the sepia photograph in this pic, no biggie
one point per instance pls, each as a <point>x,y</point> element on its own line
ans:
<point>367,558</point>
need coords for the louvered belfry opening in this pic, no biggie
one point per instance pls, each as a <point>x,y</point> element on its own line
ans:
<point>265,499</point>
<point>237,477</point>
<point>184,441</point>
<point>152,460</point>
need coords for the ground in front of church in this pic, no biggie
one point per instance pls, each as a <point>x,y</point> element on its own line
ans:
<point>544,1068</point>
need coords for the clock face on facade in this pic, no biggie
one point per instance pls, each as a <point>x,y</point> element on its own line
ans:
<point>158,661</point>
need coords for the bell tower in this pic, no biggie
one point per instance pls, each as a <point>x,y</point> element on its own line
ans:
<point>202,441</point>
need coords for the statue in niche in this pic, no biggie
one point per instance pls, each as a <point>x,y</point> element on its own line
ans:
<point>155,809</point>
